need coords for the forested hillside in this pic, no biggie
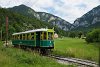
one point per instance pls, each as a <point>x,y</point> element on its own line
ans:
<point>22,18</point>
<point>43,16</point>
<point>86,23</point>
<point>18,23</point>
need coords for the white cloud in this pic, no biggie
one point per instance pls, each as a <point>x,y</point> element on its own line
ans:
<point>73,9</point>
<point>66,9</point>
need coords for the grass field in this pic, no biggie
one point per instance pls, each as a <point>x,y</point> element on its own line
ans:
<point>14,57</point>
<point>69,47</point>
<point>74,47</point>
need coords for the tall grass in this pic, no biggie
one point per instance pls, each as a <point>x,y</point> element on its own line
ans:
<point>74,47</point>
<point>13,57</point>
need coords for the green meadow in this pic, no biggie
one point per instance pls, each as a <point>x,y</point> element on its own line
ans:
<point>68,47</point>
<point>78,48</point>
<point>14,57</point>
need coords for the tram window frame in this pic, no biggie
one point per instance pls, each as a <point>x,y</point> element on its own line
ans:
<point>20,36</point>
<point>28,36</point>
<point>13,37</point>
<point>45,36</point>
<point>32,36</point>
<point>23,36</point>
<point>41,35</point>
<point>16,37</point>
<point>50,34</point>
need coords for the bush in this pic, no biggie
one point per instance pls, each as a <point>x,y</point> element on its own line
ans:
<point>79,34</point>
<point>93,36</point>
<point>71,34</point>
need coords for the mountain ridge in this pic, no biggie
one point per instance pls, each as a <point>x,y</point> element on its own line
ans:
<point>91,18</point>
<point>43,16</point>
<point>18,23</point>
<point>88,21</point>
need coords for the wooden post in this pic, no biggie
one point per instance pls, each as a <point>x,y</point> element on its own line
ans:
<point>6,30</point>
<point>1,29</point>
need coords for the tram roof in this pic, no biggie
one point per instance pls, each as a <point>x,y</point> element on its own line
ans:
<point>29,31</point>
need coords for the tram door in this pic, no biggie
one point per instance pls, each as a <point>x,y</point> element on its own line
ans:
<point>37,39</point>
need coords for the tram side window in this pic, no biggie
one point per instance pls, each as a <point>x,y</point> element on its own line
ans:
<point>27,36</point>
<point>50,34</point>
<point>41,36</point>
<point>21,37</point>
<point>32,36</point>
<point>16,37</point>
<point>45,35</point>
<point>13,37</point>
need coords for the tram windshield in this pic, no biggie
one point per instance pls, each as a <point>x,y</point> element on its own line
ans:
<point>50,35</point>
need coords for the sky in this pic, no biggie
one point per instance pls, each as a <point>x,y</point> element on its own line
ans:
<point>68,10</point>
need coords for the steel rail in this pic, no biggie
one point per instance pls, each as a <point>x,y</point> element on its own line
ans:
<point>86,63</point>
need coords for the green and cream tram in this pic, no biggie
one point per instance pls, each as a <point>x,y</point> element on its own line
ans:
<point>38,38</point>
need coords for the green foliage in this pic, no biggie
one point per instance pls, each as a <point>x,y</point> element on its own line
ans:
<point>93,36</point>
<point>80,34</point>
<point>19,23</point>
<point>60,32</point>
<point>14,57</point>
<point>72,34</point>
<point>27,11</point>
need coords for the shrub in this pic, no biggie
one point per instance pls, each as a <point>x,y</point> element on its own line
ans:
<point>93,36</point>
<point>72,34</point>
<point>80,34</point>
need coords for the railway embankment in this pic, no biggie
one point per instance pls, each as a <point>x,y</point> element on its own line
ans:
<point>14,57</point>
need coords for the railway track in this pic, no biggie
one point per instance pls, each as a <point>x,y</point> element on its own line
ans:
<point>78,62</point>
